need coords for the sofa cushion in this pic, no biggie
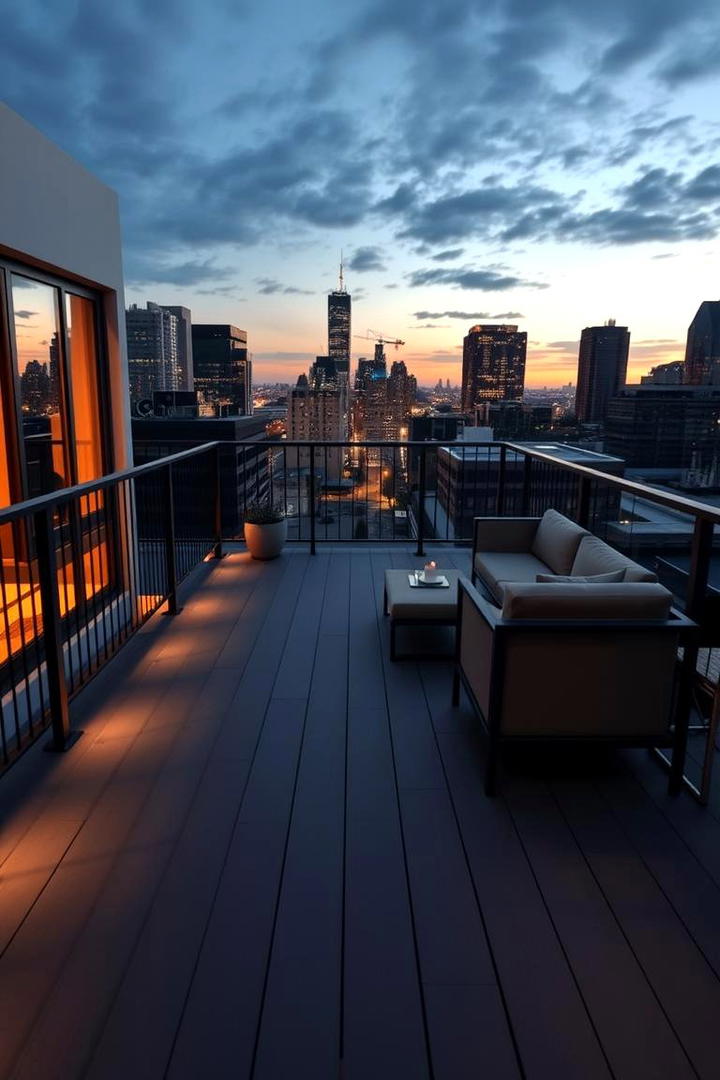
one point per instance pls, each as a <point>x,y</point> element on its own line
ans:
<point>625,601</point>
<point>596,557</point>
<point>497,567</point>
<point>556,541</point>
<point>588,579</point>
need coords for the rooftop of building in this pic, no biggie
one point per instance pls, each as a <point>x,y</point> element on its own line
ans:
<point>270,855</point>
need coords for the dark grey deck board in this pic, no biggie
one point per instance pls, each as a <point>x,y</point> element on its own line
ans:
<point>631,1024</point>
<point>553,1031</point>
<point>305,967</point>
<point>384,1034</point>
<point>166,917</point>
<point>683,981</point>
<point>152,996</point>
<point>693,893</point>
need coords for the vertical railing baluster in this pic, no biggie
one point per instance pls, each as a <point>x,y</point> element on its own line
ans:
<point>500,499</point>
<point>526,486</point>
<point>52,633</point>
<point>421,502</point>
<point>170,562</point>
<point>312,498</point>
<point>217,550</point>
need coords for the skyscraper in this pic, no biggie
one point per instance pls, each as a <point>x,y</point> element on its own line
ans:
<point>184,346</point>
<point>339,326</point>
<point>152,343</point>
<point>493,365</point>
<point>602,367</point>
<point>222,369</point>
<point>702,354</point>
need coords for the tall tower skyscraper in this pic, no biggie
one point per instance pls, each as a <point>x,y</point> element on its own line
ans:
<point>223,371</point>
<point>493,365</point>
<point>184,346</point>
<point>602,368</point>
<point>702,354</point>
<point>152,343</point>
<point>339,326</point>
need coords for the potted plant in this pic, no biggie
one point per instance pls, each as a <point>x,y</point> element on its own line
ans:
<point>265,530</point>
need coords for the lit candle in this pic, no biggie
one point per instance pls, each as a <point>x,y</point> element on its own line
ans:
<point>430,571</point>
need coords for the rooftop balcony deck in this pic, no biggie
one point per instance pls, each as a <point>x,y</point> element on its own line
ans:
<point>270,856</point>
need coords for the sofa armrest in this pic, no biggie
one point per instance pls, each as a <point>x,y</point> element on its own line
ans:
<point>470,598</point>
<point>504,534</point>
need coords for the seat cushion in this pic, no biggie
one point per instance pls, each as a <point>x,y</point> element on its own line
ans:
<point>589,579</point>
<point>596,557</point>
<point>556,541</point>
<point>625,601</point>
<point>497,567</point>
<point>405,602</point>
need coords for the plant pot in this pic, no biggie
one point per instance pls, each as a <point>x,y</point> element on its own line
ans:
<point>265,541</point>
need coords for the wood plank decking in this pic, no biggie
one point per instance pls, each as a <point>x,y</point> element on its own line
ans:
<point>270,856</point>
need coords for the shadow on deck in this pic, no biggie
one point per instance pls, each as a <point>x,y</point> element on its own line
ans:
<point>270,856</point>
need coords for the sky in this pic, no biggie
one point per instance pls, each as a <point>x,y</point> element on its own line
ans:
<point>550,163</point>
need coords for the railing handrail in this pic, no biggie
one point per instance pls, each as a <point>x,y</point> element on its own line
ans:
<point>643,491</point>
<point>632,487</point>
<point>67,494</point>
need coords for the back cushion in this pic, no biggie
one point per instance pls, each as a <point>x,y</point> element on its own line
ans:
<point>596,557</point>
<point>589,579</point>
<point>556,542</point>
<point>637,600</point>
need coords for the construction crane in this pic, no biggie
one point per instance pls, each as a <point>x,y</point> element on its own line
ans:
<point>379,339</point>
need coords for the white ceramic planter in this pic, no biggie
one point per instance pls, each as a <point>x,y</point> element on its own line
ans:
<point>265,541</point>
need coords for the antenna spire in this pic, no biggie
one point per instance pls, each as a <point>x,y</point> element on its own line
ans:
<point>342,280</point>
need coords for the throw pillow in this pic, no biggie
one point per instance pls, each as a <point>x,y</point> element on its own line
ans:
<point>589,579</point>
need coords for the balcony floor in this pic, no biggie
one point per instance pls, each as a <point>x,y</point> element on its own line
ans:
<point>270,856</point>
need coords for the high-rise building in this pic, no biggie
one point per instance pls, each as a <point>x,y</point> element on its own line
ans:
<point>339,326</point>
<point>660,426</point>
<point>152,343</point>
<point>602,367</point>
<point>493,365</point>
<point>702,353</point>
<point>400,398</point>
<point>184,346</point>
<point>222,369</point>
<point>315,414</point>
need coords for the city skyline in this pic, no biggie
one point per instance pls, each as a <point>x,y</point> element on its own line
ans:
<point>552,165</point>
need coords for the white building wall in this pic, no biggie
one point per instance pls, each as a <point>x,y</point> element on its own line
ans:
<point>57,216</point>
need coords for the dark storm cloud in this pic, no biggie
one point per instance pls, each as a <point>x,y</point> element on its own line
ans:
<point>486,280</point>
<point>25,314</point>
<point>269,287</point>
<point>367,258</point>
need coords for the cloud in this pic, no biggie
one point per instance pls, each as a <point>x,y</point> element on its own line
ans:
<point>366,258</point>
<point>268,287</point>
<point>467,316</point>
<point>486,280</point>
<point>448,255</point>
<point>430,326</point>
<point>147,271</point>
<point>508,315</point>
<point>25,314</point>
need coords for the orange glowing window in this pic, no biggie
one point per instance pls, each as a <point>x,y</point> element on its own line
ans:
<point>83,371</point>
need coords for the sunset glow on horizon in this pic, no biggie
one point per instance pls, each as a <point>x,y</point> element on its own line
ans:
<point>552,165</point>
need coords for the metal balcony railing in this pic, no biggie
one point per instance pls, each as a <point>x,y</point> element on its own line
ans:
<point>84,567</point>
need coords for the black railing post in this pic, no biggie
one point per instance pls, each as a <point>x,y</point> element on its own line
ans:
<point>52,636</point>
<point>526,485</point>
<point>312,498</point>
<point>583,498</point>
<point>218,550</point>
<point>421,502</point>
<point>500,499</point>
<point>170,565</point>
<point>700,554</point>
